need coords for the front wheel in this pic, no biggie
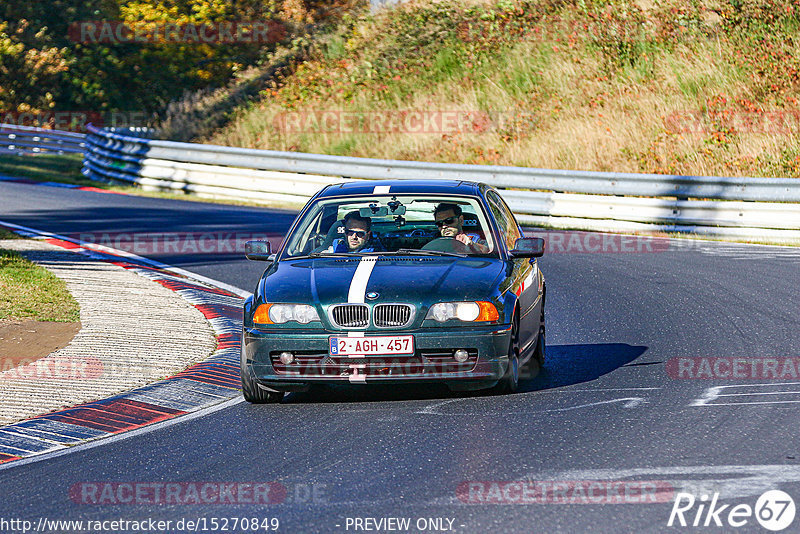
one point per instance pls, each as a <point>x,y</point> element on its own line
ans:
<point>541,344</point>
<point>539,355</point>
<point>254,394</point>
<point>510,380</point>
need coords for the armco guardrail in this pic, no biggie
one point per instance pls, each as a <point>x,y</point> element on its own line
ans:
<point>26,139</point>
<point>762,208</point>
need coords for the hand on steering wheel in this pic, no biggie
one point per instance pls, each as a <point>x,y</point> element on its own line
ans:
<point>447,244</point>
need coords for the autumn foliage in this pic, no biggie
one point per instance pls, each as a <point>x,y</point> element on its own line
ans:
<point>701,87</point>
<point>43,69</point>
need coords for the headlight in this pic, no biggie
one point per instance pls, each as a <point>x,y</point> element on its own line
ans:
<point>463,311</point>
<point>282,313</point>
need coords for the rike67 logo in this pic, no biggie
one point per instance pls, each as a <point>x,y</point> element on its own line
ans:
<point>774,510</point>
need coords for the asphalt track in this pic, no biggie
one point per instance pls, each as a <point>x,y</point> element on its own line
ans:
<point>603,409</point>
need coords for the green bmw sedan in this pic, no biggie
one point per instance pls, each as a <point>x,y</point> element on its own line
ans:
<point>393,282</point>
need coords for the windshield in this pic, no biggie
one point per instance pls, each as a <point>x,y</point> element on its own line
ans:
<point>393,224</point>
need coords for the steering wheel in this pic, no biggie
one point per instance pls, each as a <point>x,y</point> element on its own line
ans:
<point>447,244</point>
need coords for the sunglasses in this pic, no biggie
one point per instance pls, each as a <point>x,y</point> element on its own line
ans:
<point>361,234</point>
<point>447,222</point>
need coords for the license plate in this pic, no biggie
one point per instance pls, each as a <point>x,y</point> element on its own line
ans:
<point>369,346</point>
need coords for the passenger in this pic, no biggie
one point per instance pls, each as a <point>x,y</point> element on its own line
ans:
<point>358,236</point>
<point>450,222</point>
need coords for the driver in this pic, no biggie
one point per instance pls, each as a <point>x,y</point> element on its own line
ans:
<point>450,222</point>
<point>358,236</point>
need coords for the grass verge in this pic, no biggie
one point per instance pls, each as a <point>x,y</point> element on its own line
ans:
<point>28,291</point>
<point>64,168</point>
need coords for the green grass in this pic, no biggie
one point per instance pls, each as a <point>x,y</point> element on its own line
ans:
<point>447,65</point>
<point>28,291</point>
<point>5,234</point>
<point>46,167</point>
<point>334,48</point>
<point>344,147</point>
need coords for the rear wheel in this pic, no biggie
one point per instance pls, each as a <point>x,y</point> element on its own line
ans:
<point>254,393</point>
<point>510,380</point>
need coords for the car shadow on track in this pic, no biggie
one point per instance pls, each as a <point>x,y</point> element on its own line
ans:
<point>564,365</point>
<point>345,393</point>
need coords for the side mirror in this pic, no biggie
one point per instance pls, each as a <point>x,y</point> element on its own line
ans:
<point>528,247</point>
<point>258,251</point>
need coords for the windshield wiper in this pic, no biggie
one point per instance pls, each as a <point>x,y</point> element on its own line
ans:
<point>429,252</point>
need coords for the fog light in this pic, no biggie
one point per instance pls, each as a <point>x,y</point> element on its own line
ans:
<point>287,358</point>
<point>461,355</point>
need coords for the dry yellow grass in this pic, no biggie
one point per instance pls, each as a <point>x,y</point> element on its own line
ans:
<point>582,114</point>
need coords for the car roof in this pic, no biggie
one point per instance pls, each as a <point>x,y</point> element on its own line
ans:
<point>370,187</point>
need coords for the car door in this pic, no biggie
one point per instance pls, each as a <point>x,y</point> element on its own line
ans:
<point>525,272</point>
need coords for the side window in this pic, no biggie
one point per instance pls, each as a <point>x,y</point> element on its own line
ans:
<point>505,219</point>
<point>499,215</point>
<point>513,227</point>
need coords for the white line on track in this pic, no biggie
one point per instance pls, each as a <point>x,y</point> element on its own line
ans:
<point>433,409</point>
<point>749,390</point>
<point>604,389</point>
<point>630,402</point>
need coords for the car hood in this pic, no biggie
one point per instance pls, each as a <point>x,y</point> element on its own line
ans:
<point>418,280</point>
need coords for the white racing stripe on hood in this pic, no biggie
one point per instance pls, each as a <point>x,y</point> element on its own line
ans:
<point>357,295</point>
<point>358,285</point>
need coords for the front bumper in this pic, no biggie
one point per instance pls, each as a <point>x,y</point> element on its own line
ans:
<point>432,360</point>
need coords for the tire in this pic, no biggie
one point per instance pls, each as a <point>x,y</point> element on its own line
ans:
<point>254,394</point>
<point>535,364</point>
<point>541,344</point>
<point>510,381</point>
